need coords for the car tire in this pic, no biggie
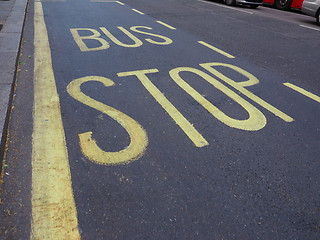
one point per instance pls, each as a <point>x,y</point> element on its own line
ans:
<point>318,17</point>
<point>283,4</point>
<point>254,6</point>
<point>230,2</point>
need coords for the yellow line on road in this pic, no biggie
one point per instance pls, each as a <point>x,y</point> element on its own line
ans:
<point>183,123</point>
<point>54,214</point>
<point>216,49</point>
<point>302,91</point>
<point>240,86</point>
<point>89,147</point>
<point>166,25</point>
<point>137,11</point>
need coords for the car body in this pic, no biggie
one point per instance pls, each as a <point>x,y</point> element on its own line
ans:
<point>251,3</point>
<point>285,4</point>
<point>312,8</point>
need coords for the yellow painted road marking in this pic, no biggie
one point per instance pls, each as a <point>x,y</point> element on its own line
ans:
<point>137,42</point>
<point>120,3</point>
<point>302,91</point>
<point>252,80</point>
<point>89,147</point>
<point>216,49</point>
<point>54,214</point>
<point>184,124</point>
<point>166,41</point>
<point>166,25</point>
<point>137,11</point>
<point>256,120</point>
<point>103,44</point>
<point>95,36</point>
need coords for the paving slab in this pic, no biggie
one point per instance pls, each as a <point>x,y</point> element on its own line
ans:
<point>5,8</point>
<point>12,15</point>
<point>5,91</point>
<point>7,67</point>
<point>9,42</point>
<point>14,21</point>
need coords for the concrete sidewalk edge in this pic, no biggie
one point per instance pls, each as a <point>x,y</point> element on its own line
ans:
<point>10,40</point>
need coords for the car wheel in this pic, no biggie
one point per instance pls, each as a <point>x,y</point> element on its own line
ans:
<point>283,4</point>
<point>318,17</point>
<point>230,2</point>
<point>254,6</point>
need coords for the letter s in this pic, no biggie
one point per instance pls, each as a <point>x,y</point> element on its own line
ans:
<point>89,147</point>
<point>167,41</point>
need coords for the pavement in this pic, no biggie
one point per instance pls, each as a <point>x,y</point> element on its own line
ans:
<point>12,15</point>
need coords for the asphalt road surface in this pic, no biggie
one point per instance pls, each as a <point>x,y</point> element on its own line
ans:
<point>171,119</point>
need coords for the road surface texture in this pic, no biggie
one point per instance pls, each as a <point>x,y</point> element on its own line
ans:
<point>171,119</point>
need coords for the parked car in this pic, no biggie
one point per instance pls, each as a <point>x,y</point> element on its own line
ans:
<point>250,3</point>
<point>311,8</point>
<point>285,4</point>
